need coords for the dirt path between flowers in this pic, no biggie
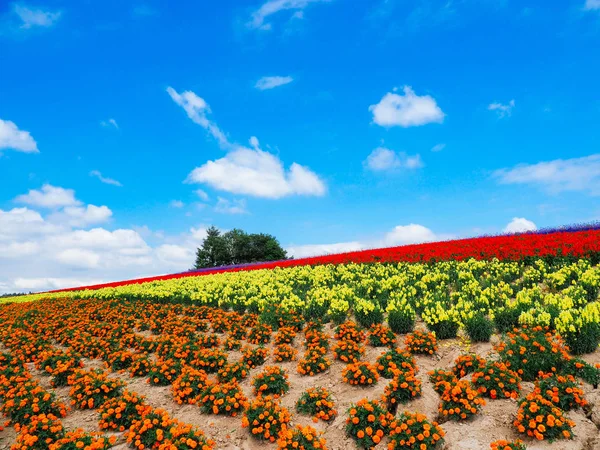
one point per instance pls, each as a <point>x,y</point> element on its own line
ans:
<point>493,423</point>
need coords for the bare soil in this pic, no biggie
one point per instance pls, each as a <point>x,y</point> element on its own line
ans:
<point>493,423</point>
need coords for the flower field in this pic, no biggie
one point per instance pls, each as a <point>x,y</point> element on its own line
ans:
<point>458,352</point>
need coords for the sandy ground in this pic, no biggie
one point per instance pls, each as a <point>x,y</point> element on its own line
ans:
<point>494,422</point>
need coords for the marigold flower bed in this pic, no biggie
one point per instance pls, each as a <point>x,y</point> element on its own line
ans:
<point>189,374</point>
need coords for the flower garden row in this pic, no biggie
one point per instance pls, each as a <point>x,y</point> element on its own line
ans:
<point>473,295</point>
<point>189,349</point>
<point>566,244</point>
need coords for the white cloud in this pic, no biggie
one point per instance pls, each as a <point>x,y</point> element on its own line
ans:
<point>410,234</point>
<point>519,225</point>
<point>408,110</point>
<point>274,6</point>
<point>502,110</point>
<point>79,258</point>
<point>176,253</point>
<point>249,171</point>
<point>257,173</point>
<point>176,204</point>
<point>225,206</point>
<point>18,249</point>
<point>97,174</point>
<point>124,241</point>
<point>35,17</point>
<point>82,217</point>
<point>438,147</point>
<point>72,255</point>
<point>196,109</point>
<point>44,284</point>
<point>11,138</point>
<point>202,194</point>
<point>304,251</point>
<point>49,197</point>
<point>272,82</point>
<point>23,223</point>
<point>400,235</point>
<point>56,250</point>
<point>110,123</point>
<point>382,159</point>
<point>198,234</point>
<point>592,5</point>
<point>559,175</point>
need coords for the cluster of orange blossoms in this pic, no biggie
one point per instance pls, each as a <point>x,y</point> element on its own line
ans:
<point>421,343</point>
<point>381,336</point>
<point>266,418</point>
<point>284,352</point>
<point>415,431</point>
<point>360,374</point>
<point>301,438</point>
<point>539,418</point>
<point>273,380</point>
<point>368,422</point>
<point>460,401</point>
<point>496,380</point>
<point>318,403</point>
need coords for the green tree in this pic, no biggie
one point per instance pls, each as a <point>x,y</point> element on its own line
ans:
<point>237,247</point>
<point>213,252</point>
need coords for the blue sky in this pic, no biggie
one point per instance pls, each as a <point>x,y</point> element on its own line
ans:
<point>126,128</point>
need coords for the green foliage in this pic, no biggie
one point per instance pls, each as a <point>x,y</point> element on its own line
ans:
<point>401,322</point>
<point>506,319</point>
<point>445,329</point>
<point>237,247</point>
<point>479,328</point>
<point>583,341</point>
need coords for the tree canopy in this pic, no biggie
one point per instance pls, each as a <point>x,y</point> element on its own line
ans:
<point>237,247</point>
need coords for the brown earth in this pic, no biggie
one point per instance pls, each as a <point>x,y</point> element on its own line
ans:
<point>493,423</point>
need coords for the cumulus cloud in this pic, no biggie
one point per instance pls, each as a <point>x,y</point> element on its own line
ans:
<point>18,249</point>
<point>407,110</point>
<point>35,17</point>
<point>410,234</point>
<point>21,284</point>
<point>49,197</point>
<point>257,173</point>
<point>304,251</point>
<point>105,180</point>
<point>176,253</point>
<point>438,147</point>
<point>272,7</point>
<point>592,5</point>
<point>243,170</point>
<point>519,225</point>
<point>79,258</point>
<point>382,159</point>
<point>55,247</point>
<point>502,110</point>
<point>81,217</point>
<point>40,259</point>
<point>22,223</point>
<point>266,83</point>
<point>176,204</point>
<point>12,138</point>
<point>399,235</point>
<point>559,175</point>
